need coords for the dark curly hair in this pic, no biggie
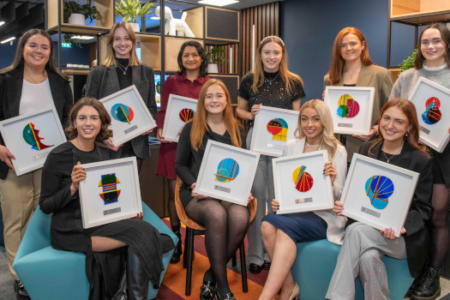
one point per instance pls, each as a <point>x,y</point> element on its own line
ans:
<point>201,51</point>
<point>105,132</point>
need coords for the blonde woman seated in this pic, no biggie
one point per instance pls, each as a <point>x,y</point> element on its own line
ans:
<point>281,233</point>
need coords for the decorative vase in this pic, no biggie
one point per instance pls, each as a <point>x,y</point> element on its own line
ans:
<point>77,19</point>
<point>213,68</point>
<point>135,27</point>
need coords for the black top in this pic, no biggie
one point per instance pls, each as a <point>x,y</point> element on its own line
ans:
<point>67,232</point>
<point>11,91</point>
<point>416,236</point>
<point>188,161</point>
<point>272,92</point>
<point>125,80</point>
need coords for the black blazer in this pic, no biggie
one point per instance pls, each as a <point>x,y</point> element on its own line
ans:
<point>11,90</point>
<point>103,81</point>
<point>417,237</point>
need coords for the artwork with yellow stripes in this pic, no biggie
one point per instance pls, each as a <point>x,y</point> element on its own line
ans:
<point>303,180</point>
<point>278,128</point>
<point>227,170</point>
<point>122,113</point>
<point>348,107</point>
<point>31,136</point>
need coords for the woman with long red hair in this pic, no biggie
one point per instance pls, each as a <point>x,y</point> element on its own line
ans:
<point>351,66</point>
<point>364,246</point>
<point>226,223</point>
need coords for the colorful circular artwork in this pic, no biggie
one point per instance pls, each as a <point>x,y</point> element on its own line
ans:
<point>186,114</point>
<point>227,170</point>
<point>302,179</point>
<point>432,114</point>
<point>379,189</point>
<point>122,113</point>
<point>347,106</point>
<point>278,128</point>
<point>31,136</point>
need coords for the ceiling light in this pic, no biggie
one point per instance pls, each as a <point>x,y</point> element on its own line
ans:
<point>10,39</point>
<point>218,2</point>
<point>2,23</point>
<point>82,37</point>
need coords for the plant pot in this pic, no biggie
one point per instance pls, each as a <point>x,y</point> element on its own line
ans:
<point>135,27</point>
<point>213,68</point>
<point>77,19</point>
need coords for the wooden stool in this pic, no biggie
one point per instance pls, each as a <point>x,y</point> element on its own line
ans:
<point>193,228</point>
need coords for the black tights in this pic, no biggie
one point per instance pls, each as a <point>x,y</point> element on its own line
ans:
<point>440,201</point>
<point>174,221</point>
<point>226,225</point>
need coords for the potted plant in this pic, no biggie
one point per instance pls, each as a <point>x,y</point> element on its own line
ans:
<point>409,62</point>
<point>75,13</point>
<point>215,57</point>
<point>132,10</point>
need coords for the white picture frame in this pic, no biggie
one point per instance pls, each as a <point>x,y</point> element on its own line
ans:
<point>31,137</point>
<point>227,173</point>
<point>377,193</point>
<point>300,184</point>
<point>351,108</point>
<point>272,128</point>
<point>433,121</point>
<point>98,203</point>
<point>179,110</point>
<point>129,115</point>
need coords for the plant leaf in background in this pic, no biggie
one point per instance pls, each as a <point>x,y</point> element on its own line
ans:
<point>132,10</point>
<point>409,62</point>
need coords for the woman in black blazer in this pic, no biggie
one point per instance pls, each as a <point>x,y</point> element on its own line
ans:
<point>30,83</point>
<point>120,69</point>
<point>364,246</point>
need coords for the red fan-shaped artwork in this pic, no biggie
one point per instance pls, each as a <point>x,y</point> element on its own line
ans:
<point>302,179</point>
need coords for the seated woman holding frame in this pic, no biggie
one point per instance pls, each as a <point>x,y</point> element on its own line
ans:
<point>360,255</point>
<point>281,233</point>
<point>133,243</point>
<point>225,223</point>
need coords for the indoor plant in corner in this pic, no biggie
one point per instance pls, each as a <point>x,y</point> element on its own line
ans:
<point>76,13</point>
<point>132,10</point>
<point>215,57</point>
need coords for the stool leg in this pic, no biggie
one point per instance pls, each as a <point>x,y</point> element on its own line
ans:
<point>243,267</point>
<point>186,247</point>
<point>190,253</point>
<point>233,260</point>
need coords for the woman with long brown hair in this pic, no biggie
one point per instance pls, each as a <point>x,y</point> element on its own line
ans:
<point>31,83</point>
<point>225,223</point>
<point>360,255</point>
<point>432,62</point>
<point>271,84</point>
<point>351,66</point>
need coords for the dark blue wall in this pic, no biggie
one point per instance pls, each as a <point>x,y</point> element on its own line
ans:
<point>7,53</point>
<point>310,26</point>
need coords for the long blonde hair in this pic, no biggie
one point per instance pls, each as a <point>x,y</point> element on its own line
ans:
<point>199,124</point>
<point>110,59</point>
<point>285,74</point>
<point>329,141</point>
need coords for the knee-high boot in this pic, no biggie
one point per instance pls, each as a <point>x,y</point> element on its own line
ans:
<point>137,281</point>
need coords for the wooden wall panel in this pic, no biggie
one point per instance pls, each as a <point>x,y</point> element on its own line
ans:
<point>266,21</point>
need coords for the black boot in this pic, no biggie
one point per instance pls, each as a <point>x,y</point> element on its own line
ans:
<point>177,252</point>
<point>208,288</point>
<point>137,281</point>
<point>429,288</point>
<point>225,294</point>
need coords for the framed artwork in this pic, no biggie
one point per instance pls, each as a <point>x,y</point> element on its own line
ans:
<point>432,103</point>
<point>158,88</point>
<point>377,193</point>
<point>110,192</point>
<point>179,110</point>
<point>30,137</point>
<point>227,172</point>
<point>273,127</point>
<point>129,115</point>
<point>299,183</point>
<point>351,108</point>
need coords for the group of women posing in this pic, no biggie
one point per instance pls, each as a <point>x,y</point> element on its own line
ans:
<point>134,245</point>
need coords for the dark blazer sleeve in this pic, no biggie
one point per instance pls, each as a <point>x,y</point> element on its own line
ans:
<point>93,82</point>
<point>68,102</point>
<point>151,103</point>
<point>184,156</point>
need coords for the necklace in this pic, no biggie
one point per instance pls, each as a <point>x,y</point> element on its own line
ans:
<point>271,80</point>
<point>123,69</point>
<point>388,157</point>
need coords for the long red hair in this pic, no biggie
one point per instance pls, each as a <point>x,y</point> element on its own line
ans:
<point>199,125</point>
<point>408,108</point>
<point>337,62</point>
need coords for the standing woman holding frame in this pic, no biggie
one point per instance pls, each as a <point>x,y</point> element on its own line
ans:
<point>432,62</point>
<point>364,246</point>
<point>31,83</point>
<point>193,63</point>
<point>120,69</point>
<point>351,66</point>
<point>226,223</point>
<point>271,84</point>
